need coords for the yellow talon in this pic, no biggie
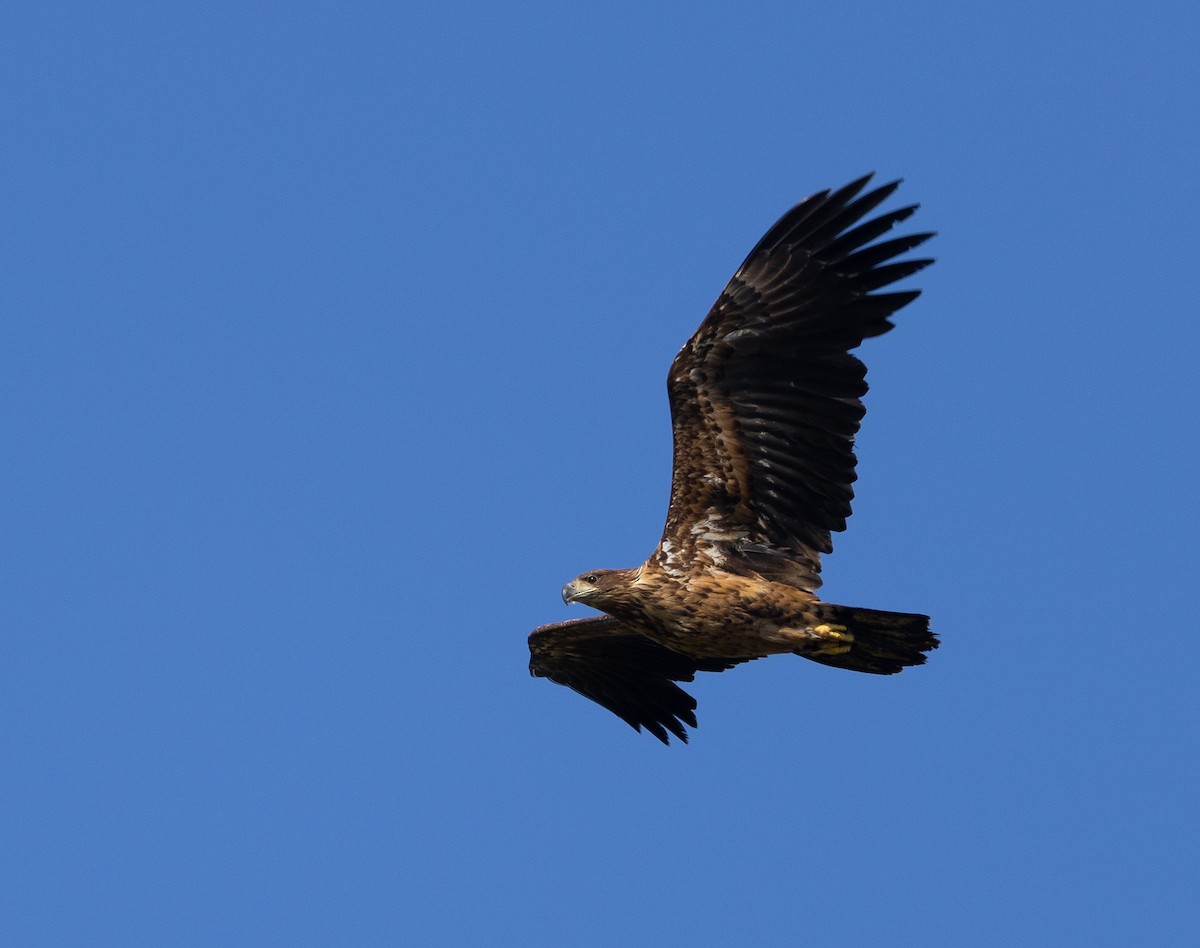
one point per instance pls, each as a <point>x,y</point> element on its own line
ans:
<point>836,632</point>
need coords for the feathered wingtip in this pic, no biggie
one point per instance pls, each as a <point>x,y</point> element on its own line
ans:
<point>603,659</point>
<point>828,217</point>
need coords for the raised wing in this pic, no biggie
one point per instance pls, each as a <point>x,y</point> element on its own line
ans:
<point>607,661</point>
<point>766,398</point>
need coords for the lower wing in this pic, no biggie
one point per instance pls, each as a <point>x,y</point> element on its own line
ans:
<point>614,665</point>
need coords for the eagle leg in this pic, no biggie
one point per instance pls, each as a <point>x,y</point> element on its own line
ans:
<point>828,638</point>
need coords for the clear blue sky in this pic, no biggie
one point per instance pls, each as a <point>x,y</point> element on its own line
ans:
<point>334,342</point>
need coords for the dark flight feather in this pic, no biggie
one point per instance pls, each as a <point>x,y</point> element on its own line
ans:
<point>772,356</point>
<point>620,669</point>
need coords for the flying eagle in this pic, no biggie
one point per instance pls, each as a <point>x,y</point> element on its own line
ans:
<point>765,402</point>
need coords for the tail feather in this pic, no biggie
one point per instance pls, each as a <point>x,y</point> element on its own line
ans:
<point>883,642</point>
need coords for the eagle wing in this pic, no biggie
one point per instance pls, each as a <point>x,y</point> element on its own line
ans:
<point>766,397</point>
<point>609,662</point>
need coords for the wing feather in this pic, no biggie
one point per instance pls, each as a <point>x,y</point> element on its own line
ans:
<point>609,662</point>
<point>766,398</point>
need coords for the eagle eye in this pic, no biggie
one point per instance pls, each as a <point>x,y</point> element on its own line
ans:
<point>590,578</point>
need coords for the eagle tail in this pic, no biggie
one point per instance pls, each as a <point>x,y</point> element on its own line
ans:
<point>880,643</point>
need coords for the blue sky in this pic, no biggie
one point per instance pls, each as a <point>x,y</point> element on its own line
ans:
<point>334,342</point>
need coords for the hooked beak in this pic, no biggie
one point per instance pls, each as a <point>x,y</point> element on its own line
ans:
<point>568,592</point>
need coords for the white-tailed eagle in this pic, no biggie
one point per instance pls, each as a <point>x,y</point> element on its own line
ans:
<point>765,402</point>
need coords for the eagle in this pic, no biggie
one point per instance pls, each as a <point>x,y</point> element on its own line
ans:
<point>765,400</point>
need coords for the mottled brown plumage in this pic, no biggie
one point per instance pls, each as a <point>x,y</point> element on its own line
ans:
<point>765,402</point>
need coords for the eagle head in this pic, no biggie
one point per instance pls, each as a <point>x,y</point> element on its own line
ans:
<point>593,588</point>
